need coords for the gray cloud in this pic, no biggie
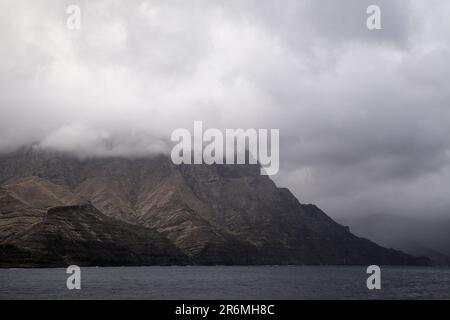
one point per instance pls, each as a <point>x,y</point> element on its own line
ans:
<point>363,115</point>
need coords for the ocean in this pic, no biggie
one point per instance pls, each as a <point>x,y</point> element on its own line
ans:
<point>227,283</point>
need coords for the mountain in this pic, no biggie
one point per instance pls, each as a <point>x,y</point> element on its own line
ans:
<point>211,214</point>
<point>415,236</point>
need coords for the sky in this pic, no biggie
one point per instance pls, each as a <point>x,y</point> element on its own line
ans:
<point>364,115</point>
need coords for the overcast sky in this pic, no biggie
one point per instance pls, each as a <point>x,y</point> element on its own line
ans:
<point>364,116</point>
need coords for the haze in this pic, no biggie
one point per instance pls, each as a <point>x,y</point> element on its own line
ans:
<point>363,115</point>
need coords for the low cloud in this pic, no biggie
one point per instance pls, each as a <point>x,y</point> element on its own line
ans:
<point>363,115</point>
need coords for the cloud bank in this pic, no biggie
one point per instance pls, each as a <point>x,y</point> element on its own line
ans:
<point>364,116</point>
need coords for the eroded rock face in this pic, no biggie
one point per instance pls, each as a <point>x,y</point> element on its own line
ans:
<point>54,227</point>
<point>219,214</point>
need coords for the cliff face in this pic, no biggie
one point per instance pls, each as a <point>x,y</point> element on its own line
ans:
<point>219,214</point>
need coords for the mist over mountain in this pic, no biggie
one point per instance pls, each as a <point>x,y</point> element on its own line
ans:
<point>363,118</point>
<point>363,115</point>
<point>56,208</point>
<point>417,236</point>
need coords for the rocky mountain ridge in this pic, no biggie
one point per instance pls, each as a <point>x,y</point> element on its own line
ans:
<point>149,211</point>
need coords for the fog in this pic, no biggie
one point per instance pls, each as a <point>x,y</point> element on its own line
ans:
<point>363,115</point>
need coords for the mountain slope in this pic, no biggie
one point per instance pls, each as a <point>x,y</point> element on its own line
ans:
<point>218,214</point>
<point>56,228</point>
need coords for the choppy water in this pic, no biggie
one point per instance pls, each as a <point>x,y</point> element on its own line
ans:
<point>258,282</point>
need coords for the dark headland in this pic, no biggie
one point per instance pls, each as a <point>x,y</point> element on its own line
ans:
<point>57,209</point>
